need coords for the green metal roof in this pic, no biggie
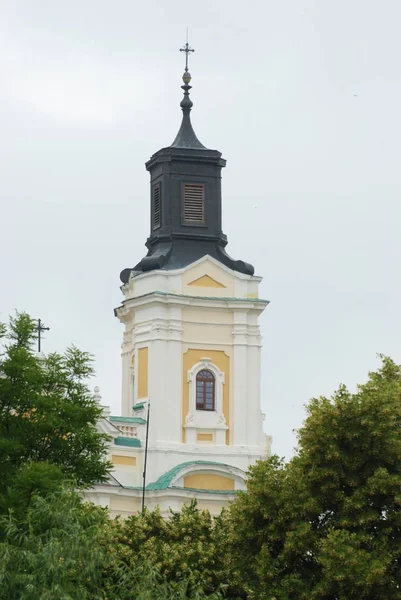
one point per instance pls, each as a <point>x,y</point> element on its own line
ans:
<point>138,420</point>
<point>139,406</point>
<point>127,441</point>
<point>165,480</point>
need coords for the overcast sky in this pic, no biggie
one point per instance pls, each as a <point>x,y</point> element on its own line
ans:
<point>302,97</point>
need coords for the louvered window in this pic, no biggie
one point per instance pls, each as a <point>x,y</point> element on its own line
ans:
<point>156,206</point>
<point>194,203</point>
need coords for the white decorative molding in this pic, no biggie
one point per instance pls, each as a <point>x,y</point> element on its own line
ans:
<point>163,328</point>
<point>212,420</point>
<point>103,424</point>
<point>98,398</point>
<point>206,363</point>
<point>184,452</point>
<point>256,305</point>
<point>96,395</point>
<point>189,419</point>
<point>133,387</point>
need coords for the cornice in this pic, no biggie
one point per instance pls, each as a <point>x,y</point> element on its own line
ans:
<point>157,297</point>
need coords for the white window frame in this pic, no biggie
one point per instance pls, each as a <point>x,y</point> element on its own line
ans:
<point>219,380</point>
<point>205,420</point>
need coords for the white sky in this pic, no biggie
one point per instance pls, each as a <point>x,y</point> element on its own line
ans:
<point>302,97</point>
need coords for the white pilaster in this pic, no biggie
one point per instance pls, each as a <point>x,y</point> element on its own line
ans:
<point>255,419</point>
<point>126,389</point>
<point>239,380</point>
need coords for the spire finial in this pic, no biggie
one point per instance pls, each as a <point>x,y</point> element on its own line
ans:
<point>187,49</point>
<point>186,103</point>
<point>186,137</point>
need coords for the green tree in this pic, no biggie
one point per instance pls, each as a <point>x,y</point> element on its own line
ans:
<point>327,524</point>
<point>188,548</point>
<point>52,545</point>
<point>271,538</point>
<point>47,419</point>
<point>65,549</point>
<point>55,551</point>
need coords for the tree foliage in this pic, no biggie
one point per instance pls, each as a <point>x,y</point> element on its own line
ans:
<point>52,544</point>
<point>47,418</point>
<point>56,550</point>
<point>65,549</point>
<point>189,546</point>
<point>327,524</point>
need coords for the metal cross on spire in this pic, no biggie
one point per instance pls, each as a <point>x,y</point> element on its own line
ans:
<point>39,329</point>
<point>187,49</point>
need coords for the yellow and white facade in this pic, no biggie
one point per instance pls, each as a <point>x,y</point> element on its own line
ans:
<point>178,323</point>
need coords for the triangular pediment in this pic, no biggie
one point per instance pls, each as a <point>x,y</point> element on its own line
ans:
<point>206,281</point>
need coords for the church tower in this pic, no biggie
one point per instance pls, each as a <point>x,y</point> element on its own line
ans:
<point>191,347</point>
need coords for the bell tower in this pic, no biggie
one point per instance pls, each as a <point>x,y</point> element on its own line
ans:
<point>192,343</point>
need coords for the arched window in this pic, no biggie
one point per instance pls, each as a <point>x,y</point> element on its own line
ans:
<point>205,390</point>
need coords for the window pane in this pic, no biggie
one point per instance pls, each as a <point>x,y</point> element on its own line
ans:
<point>204,374</point>
<point>205,390</point>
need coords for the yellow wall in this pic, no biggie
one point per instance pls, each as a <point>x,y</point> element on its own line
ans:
<point>222,361</point>
<point>123,460</point>
<point>206,334</point>
<point>206,325</point>
<point>143,373</point>
<point>206,281</point>
<point>204,437</point>
<point>202,481</point>
<point>125,505</point>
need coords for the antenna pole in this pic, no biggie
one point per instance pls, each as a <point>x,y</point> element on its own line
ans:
<point>145,459</point>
